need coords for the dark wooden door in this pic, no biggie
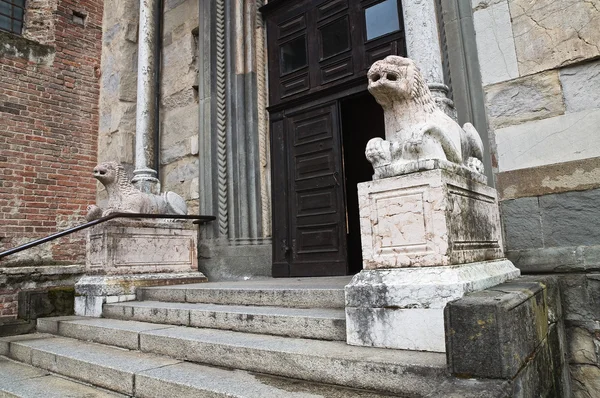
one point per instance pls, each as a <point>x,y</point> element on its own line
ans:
<point>319,52</point>
<point>317,211</point>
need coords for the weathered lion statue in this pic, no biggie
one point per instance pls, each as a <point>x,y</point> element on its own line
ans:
<point>415,128</point>
<point>124,197</point>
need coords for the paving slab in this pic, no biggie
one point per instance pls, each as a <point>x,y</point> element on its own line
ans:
<point>113,332</point>
<point>395,371</point>
<point>104,366</point>
<point>289,292</point>
<point>192,380</point>
<point>325,324</point>
<point>24,381</point>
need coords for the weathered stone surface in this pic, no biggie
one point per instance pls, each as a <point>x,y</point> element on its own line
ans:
<point>130,247</point>
<point>522,223</point>
<point>124,197</point>
<point>416,129</point>
<point>106,367</point>
<point>495,41</point>
<point>578,84</point>
<point>552,33</point>
<point>325,292</point>
<point>581,297</point>
<point>429,218</point>
<point>19,380</point>
<point>529,98</point>
<point>549,259</point>
<point>553,295</point>
<point>492,333</point>
<point>584,346</point>
<point>94,291</point>
<point>324,324</point>
<point>571,218</point>
<point>586,381</point>
<point>535,143</point>
<point>579,175</point>
<point>312,360</point>
<point>404,308</point>
<point>544,375</point>
<point>189,380</point>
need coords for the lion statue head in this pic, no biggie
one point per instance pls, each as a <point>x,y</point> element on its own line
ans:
<point>397,79</point>
<point>108,173</point>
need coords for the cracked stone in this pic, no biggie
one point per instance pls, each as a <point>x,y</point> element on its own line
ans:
<point>552,33</point>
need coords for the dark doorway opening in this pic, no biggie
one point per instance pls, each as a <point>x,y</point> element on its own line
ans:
<point>361,120</point>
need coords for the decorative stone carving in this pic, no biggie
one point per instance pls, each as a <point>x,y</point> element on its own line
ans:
<point>124,197</point>
<point>427,219</point>
<point>416,129</point>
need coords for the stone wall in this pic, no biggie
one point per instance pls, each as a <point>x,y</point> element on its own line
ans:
<point>32,292</point>
<point>178,145</point>
<point>49,118</point>
<point>540,69</point>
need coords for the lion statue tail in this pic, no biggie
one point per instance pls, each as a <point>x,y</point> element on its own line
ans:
<point>175,203</point>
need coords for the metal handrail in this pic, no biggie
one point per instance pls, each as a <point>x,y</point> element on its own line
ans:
<point>199,220</point>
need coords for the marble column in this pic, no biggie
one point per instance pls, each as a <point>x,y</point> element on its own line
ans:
<point>145,174</point>
<point>423,45</point>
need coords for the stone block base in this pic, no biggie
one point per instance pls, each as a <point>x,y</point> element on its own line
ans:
<point>141,246</point>
<point>428,218</point>
<point>91,292</point>
<point>403,308</point>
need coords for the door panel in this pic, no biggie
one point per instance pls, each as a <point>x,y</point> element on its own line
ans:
<point>317,213</point>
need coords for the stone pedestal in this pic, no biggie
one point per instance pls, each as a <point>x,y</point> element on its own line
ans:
<point>428,218</point>
<point>133,247</point>
<point>403,308</point>
<point>428,238</point>
<point>123,255</point>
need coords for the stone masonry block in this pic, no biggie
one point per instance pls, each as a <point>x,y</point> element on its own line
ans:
<point>576,83</point>
<point>557,139</point>
<point>571,218</point>
<point>522,223</point>
<point>549,33</point>
<point>529,98</point>
<point>580,293</point>
<point>495,43</point>
<point>584,346</point>
<point>494,332</point>
<point>545,374</point>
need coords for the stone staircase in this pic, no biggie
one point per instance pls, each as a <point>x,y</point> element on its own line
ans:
<point>272,338</point>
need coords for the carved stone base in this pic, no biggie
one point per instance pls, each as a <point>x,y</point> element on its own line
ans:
<point>92,292</point>
<point>404,308</point>
<point>428,218</point>
<point>123,247</point>
<point>123,255</point>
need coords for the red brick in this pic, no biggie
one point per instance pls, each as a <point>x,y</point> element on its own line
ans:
<point>49,127</point>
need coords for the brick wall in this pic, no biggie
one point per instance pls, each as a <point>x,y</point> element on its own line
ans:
<point>49,87</point>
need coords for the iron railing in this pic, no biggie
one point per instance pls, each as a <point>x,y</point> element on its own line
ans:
<point>197,220</point>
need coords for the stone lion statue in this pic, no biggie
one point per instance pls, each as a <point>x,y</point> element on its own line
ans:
<point>415,128</point>
<point>124,197</point>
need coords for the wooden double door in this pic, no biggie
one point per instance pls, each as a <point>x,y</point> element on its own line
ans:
<point>321,117</point>
<point>318,159</point>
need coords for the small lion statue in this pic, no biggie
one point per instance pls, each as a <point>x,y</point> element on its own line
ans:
<point>124,197</point>
<point>415,128</point>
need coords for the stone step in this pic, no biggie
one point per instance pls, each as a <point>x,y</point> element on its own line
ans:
<point>137,374</point>
<point>293,293</point>
<point>25,381</point>
<point>332,362</point>
<point>324,324</point>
